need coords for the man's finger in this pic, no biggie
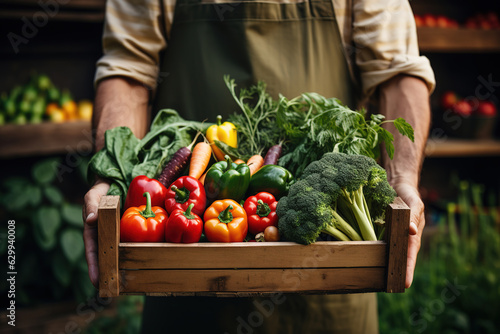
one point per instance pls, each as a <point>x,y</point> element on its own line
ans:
<point>413,248</point>
<point>90,241</point>
<point>92,198</point>
<point>89,213</point>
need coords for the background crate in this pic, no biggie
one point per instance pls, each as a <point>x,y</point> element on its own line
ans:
<point>250,268</point>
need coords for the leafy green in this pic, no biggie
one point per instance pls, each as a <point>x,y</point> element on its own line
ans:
<point>256,121</point>
<point>60,269</point>
<point>45,171</point>
<point>317,125</point>
<point>72,214</point>
<point>72,244</point>
<point>125,157</point>
<point>404,128</point>
<point>46,221</point>
<point>308,126</point>
<point>53,194</point>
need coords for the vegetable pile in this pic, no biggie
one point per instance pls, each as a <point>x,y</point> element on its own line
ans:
<point>211,181</point>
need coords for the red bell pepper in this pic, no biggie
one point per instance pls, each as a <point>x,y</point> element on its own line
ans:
<point>141,184</point>
<point>183,226</point>
<point>184,191</point>
<point>261,211</point>
<point>143,223</point>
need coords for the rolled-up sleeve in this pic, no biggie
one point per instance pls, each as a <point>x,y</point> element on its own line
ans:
<point>385,42</point>
<point>132,41</point>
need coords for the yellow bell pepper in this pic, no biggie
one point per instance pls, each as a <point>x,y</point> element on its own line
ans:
<point>225,132</point>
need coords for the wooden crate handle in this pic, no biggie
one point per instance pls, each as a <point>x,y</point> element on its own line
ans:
<point>396,236</point>
<point>108,229</point>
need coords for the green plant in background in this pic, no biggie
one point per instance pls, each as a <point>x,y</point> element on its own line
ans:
<point>456,288</point>
<point>50,261</point>
<point>126,319</point>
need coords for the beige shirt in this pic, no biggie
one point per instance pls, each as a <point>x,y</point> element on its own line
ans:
<point>379,37</point>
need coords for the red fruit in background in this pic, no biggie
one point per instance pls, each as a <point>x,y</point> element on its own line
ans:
<point>452,24</point>
<point>430,20</point>
<point>471,24</point>
<point>486,108</point>
<point>442,21</point>
<point>419,21</point>
<point>463,108</point>
<point>492,17</point>
<point>448,99</point>
<point>485,25</point>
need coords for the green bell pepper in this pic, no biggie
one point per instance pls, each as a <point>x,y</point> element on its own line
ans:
<point>227,180</point>
<point>272,179</point>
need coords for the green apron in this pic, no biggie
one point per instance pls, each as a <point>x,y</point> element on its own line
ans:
<point>293,48</point>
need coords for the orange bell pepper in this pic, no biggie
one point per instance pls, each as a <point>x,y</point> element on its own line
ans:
<point>225,221</point>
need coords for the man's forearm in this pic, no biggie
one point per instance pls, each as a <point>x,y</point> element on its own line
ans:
<point>120,102</point>
<point>406,97</point>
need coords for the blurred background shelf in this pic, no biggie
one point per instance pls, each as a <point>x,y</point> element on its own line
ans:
<point>74,10</point>
<point>452,147</point>
<point>458,40</point>
<point>44,139</point>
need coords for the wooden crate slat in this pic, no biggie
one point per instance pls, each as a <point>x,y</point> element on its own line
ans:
<point>252,255</point>
<point>252,280</point>
<point>108,237</point>
<point>397,221</point>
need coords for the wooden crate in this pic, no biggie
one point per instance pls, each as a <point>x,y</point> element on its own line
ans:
<point>250,268</point>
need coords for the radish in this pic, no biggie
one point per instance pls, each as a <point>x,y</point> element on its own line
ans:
<point>272,155</point>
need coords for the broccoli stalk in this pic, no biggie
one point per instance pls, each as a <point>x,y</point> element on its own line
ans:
<point>340,224</point>
<point>336,233</point>
<point>354,202</point>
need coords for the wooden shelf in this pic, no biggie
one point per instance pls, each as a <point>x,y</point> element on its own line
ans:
<point>91,11</point>
<point>461,148</point>
<point>45,138</point>
<point>458,40</point>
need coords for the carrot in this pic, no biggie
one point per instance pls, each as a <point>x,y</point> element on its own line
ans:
<point>239,161</point>
<point>202,178</point>
<point>179,161</point>
<point>255,162</point>
<point>199,159</point>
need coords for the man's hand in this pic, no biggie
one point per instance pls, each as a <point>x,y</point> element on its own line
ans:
<point>92,199</point>
<point>411,197</point>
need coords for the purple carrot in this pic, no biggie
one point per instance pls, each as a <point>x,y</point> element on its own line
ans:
<point>173,169</point>
<point>272,155</point>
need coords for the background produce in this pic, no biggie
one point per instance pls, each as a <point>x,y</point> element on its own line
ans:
<point>40,100</point>
<point>466,117</point>
<point>485,21</point>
